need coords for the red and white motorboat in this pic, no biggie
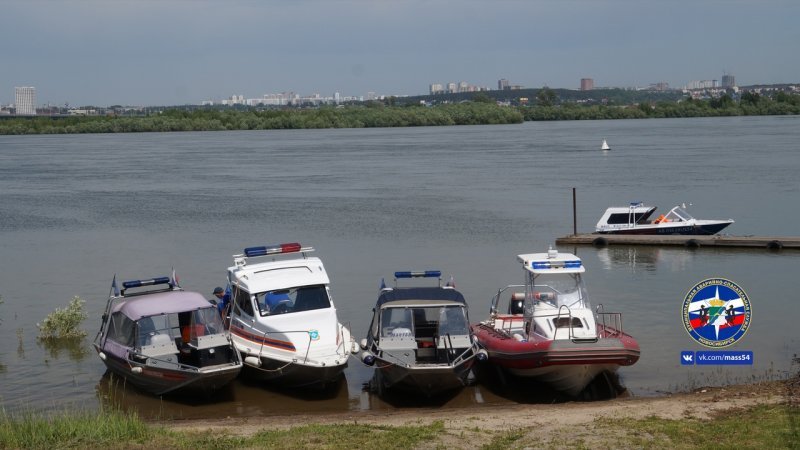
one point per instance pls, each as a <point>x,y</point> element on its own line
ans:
<point>548,330</point>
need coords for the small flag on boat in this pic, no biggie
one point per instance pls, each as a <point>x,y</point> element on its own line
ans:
<point>383,285</point>
<point>451,283</point>
<point>175,279</point>
<point>114,286</point>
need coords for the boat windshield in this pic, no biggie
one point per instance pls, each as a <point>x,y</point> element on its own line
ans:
<point>556,290</point>
<point>453,321</point>
<point>425,322</point>
<point>678,214</point>
<point>292,300</point>
<point>183,328</point>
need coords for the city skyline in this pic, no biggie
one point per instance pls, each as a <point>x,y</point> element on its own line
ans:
<point>180,52</point>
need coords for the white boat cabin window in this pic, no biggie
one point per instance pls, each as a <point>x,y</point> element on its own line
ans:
<point>121,329</point>
<point>562,289</point>
<point>293,300</point>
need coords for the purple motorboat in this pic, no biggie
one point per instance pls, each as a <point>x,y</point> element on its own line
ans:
<point>165,340</point>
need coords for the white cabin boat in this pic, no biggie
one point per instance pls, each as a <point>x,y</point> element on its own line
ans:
<point>635,219</point>
<point>283,319</point>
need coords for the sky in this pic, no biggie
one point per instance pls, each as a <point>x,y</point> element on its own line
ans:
<point>173,52</point>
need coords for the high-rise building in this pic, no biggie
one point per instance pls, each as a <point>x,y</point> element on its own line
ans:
<point>728,81</point>
<point>25,101</point>
<point>502,84</point>
<point>587,84</point>
<point>436,88</point>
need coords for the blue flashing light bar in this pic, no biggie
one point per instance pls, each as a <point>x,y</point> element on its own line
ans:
<point>538,265</point>
<point>140,283</point>
<point>419,274</point>
<point>265,250</point>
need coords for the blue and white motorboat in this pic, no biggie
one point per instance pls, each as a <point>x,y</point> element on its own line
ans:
<point>419,339</point>
<point>283,320</point>
<point>635,219</point>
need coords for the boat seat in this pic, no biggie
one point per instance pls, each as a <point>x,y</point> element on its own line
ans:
<point>160,339</point>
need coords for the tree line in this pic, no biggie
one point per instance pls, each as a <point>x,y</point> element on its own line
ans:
<point>471,113</point>
<point>482,109</point>
<point>548,107</point>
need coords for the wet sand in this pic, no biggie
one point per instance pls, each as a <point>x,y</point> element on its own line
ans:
<point>553,422</point>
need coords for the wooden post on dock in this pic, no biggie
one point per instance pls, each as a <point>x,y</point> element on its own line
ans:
<point>574,215</point>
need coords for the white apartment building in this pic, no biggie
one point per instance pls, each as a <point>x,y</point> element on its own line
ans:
<point>25,101</point>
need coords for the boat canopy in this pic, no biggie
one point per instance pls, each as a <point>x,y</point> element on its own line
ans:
<point>636,213</point>
<point>161,303</point>
<point>551,262</point>
<point>420,293</point>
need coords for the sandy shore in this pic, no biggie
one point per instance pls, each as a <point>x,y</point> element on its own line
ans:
<point>552,422</point>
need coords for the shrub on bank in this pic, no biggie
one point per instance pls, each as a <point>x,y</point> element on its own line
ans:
<point>64,323</point>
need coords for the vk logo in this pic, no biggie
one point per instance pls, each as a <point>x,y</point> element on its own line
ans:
<point>687,358</point>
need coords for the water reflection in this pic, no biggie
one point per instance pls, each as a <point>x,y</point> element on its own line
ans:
<point>241,398</point>
<point>501,384</point>
<point>76,349</point>
<point>633,258</point>
<point>20,345</point>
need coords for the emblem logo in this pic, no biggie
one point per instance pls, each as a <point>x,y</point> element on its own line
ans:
<point>314,335</point>
<point>716,312</point>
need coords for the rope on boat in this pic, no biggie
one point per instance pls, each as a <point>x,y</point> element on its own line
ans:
<point>274,370</point>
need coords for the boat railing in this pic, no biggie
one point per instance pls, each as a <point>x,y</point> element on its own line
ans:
<point>344,345</point>
<point>569,319</point>
<point>611,321</point>
<point>496,300</point>
<point>264,337</point>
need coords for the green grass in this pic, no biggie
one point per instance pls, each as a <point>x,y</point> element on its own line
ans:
<point>121,430</point>
<point>74,430</point>
<point>766,426</point>
<point>760,427</point>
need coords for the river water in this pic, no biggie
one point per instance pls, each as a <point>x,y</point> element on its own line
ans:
<point>77,209</point>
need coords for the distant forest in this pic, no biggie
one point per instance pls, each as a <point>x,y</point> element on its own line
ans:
<point>474,109</point>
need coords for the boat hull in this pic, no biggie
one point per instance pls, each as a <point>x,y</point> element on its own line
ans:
<point>429,380</point>
<point>567,365</point>
<point>164,380</point>
<point>279,362</point>
<point>678,229</point>
<point>294,374</point>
